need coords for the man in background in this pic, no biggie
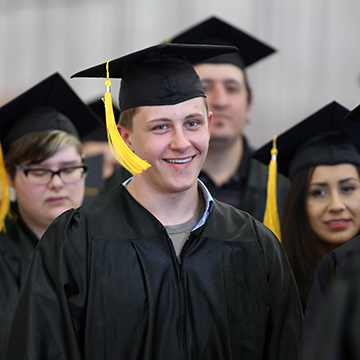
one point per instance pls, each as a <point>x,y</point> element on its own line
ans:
<point>229,172</point>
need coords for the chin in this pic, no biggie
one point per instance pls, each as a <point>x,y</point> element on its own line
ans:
<point>58,211</point>
<point>182,186</point>
<point>339,240</point>
<point>218,141</point>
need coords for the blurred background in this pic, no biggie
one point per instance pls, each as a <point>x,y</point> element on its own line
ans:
<point>317,59</point>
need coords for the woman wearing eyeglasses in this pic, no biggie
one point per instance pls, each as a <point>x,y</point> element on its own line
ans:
<point>47,171</point>
<point>42,156</point>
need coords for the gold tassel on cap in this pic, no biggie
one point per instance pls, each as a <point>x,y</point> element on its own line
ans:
<point>271,217</point>
<point>5,199</point>
<point>119,149</point>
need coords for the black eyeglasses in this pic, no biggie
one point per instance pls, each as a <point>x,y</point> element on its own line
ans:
<point>68,175</point>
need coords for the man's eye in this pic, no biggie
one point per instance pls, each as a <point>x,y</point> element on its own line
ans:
<point>232,89</point>
<point>160,127</point>
<point>206,87</point>
<point>192,123</point>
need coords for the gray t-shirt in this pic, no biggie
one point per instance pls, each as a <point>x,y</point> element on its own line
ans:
<point>180,233</point>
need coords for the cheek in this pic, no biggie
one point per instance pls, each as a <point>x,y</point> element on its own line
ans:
<point>313,210</point>
<point>240,103</point>
<point>26,192</point>
<point>354,206</point>
<point>201,141</point>
<point>76,191</point>
<point>29,198</point>
<point>150,147</point>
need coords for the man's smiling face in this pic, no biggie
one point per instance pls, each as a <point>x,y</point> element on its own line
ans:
<point>174,140</point>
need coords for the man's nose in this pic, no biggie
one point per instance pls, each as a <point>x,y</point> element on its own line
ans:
<point>180,141</point>
<point>218,97</point>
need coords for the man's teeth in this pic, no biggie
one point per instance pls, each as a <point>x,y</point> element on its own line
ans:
<point>182,161</point>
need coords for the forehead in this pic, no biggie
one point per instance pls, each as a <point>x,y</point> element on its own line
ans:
<point>219,72</point>
<point>177,111</point>
<point>67,155</point>
<point>324,173</point>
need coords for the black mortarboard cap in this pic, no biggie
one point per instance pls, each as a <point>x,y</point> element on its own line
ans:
<point>51,104</point>
<point>98,107</point>
<point>158,75</point>
<point>155,76</point>
<point>217,32</point>
<point>99,134</point>
<point>354,114</point>
<point>324,138</point>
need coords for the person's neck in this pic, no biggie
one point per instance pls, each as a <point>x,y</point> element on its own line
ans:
<point>168,208</point>
<point>222,162</point>
<point>38,230</point>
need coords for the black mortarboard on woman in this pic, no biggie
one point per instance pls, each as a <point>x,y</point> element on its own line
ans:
<point>49,105</point>
<point>311,154</point>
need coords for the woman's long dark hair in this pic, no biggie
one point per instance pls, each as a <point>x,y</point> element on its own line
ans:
<point>303,247</point>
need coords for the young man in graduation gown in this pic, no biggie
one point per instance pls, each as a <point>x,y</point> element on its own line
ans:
<point>157,269</point>
<point>229,171</point>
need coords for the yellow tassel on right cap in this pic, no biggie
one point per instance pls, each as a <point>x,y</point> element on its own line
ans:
<point>5,198</point>
<point>119,149</point>
<point>271,216</point>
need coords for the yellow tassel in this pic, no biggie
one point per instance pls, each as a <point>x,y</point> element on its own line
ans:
<point>5,199</point>
<point>119,149</point>
<point>271,217</point>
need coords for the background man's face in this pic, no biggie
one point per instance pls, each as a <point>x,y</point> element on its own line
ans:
<point>225,89</point>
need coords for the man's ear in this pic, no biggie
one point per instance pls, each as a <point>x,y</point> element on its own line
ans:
<point>125,134</point>
<point>210,117</point>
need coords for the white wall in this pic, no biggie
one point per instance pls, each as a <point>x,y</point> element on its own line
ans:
<point>317,41</point>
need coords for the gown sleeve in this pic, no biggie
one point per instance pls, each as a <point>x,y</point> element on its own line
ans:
<point>323,279</point>
<point>12,271</point>
<point>337,329</point>
<point>48,317</point>
<point>285,314</point>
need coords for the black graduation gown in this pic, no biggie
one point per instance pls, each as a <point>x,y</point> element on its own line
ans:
<point>105,283</point>
<point>23,239</point>
<point>16,248</point>
<point>255,192</point>
<point>339,264</point>
<point>12,273</point>
<point>247,189</point>
<point>336,331</point>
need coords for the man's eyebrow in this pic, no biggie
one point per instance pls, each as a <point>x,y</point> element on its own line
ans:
<point>190,116</point>
<point>226,81</point>
<point>194,115</point>
<point>157,120</point>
